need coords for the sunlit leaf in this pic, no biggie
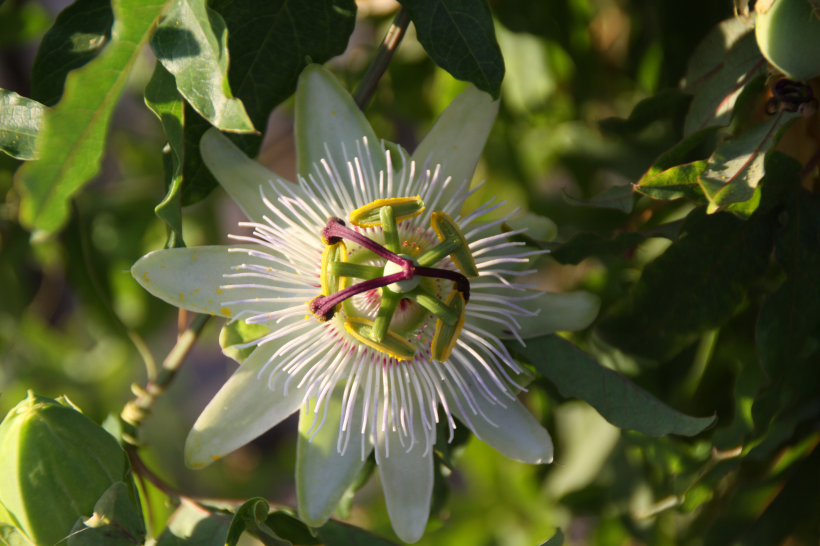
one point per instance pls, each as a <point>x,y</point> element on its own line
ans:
<point>693,287</point>
<point>251,517</point>
<point>117,521</point>
<point>460,37</point>
<point>708,58</point>
<point>715,99</point>
<point>618,198</point>
<point>239,332</point>
<point>77,36</point>
<point>674,183</point>
<point>615,397</point>
<point>737,165</point>
<point>10,537</point>
<point>20,122</point>
<point>193,525</point>
<point>71,145</point>
<point>556,540</point>
<point>191,42</point>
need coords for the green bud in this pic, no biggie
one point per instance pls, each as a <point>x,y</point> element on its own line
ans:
<point>56,463</point>
<point>788,33</point>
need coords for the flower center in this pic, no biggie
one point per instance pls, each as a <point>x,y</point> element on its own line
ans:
<point>394,280</point>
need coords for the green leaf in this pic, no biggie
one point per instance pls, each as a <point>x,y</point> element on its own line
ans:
<point>270,41</point>
<point>617,197</point>
<point>72,143</point>
<point>346,503</point>
<point>693,287</point>
<point>239,332</point>
<point>460,37</point>
<point>556,540</point>
<point>737,166</point>
<point>117,521</point>
<point>251,517</point>
<point>666,104</point>
<point>336,533</point>
<point>714,101</point>
<point>292,528</point>
<point>674,183</point>
<point>77,36</point>
<point>617,399</point>
<point>709,57</point>
<point>676,155</point>
<point>20,123</point>
<point>789,319</point>
<point>193,525</point>
<point>782,175</point>
<point>191,42</point>
<point>9,536</point>
<point>162,97</point>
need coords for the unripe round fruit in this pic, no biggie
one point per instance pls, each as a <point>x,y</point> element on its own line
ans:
<point>55,463</point>
<point>788,34</point>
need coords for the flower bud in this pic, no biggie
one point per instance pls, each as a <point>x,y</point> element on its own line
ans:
<point>56,463</point>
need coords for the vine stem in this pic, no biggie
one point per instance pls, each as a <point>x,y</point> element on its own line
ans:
<point>138,409</point>
<point>378,66</point>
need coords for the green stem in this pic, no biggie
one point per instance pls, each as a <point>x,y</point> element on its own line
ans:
<point>356,271</point>
<point>438,252</point>
<point>385,52</point>
<point>432,304</point>
<point>391,230</point>
<point>390,301</point>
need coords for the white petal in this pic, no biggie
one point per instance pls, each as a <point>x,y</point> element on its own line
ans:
<point>517,435</point>
<point>567,312</point>
<point>190,278</point>
<point>322,473</point>
<point>243,409</point>
<point>458,137</point>
<point>327,115</point>
<point>407,480</point>
<point>238,174</point>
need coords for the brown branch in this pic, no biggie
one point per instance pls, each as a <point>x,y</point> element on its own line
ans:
<point>378,66</point>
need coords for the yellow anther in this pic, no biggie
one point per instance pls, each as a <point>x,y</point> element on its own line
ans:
<point>403,209</point>
<point>446,336</point>
<point>393,344</point>
<point>445,227</point>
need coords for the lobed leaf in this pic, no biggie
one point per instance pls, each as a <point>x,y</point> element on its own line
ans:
<point>78,35</point>
<point>20,122</point>
<point>192,43</point>
<point>617,399</point>
<point>459,36</point>
<point>617,197</point>
<point>693,287</point>
<point>737,166</point>
<point>714,102</point>
<point>72,143</point>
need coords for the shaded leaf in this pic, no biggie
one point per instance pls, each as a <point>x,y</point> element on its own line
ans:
<point>617,399</point>
<point>21,22</point>
<point>77,36</point>
<point>162,97</point>
<point>747,385</point>
<point>191,42</point>
<point>790,318</point>
<point>193,525</point>
<point>336,533</point>
<point>239,332</point>
<point>715,100</point>
<point>292,528</point>
<point>556,540</point>
<point>782,175</point>
<point>709,57</point>
<point>270,41</point>
<point>71,145</point>
<point>669,103</point>
<point>693,287</point>
<point>346,503</point>
<point>459,36</point>
<point>674,183</point>
<point>676,155</point>
<point>737,165</point>
<point>20,123</point>
<point>251,517</point>
<point>618,198</point>
<point>117,521</point>
<point>199,182</point>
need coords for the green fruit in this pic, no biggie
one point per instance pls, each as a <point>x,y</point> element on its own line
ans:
<point>55,463</point>
<point>788,34</point>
